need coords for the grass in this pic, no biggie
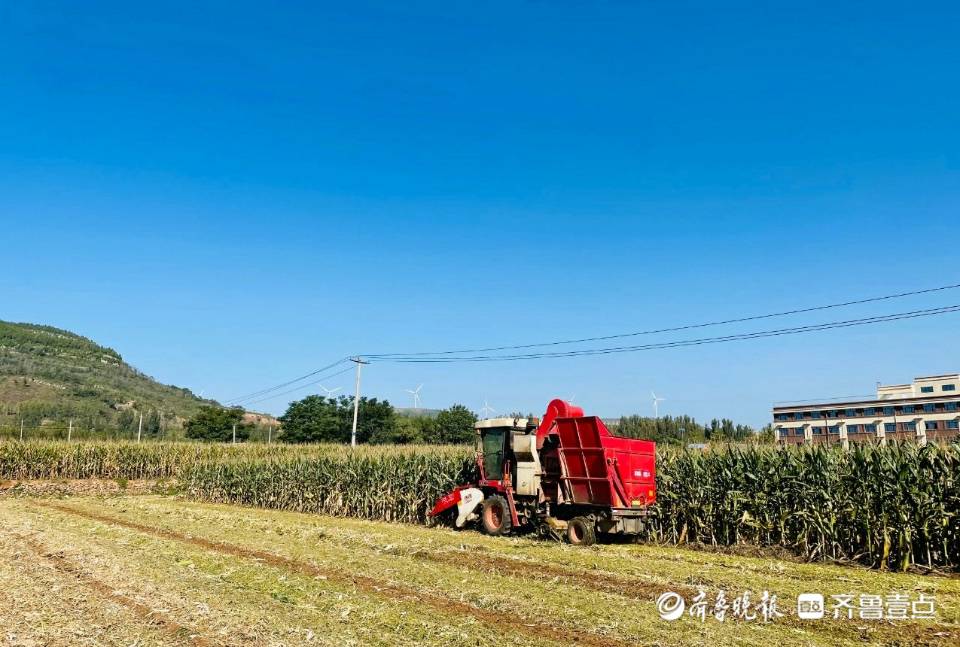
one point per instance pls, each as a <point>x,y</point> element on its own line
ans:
<point>231,575</point>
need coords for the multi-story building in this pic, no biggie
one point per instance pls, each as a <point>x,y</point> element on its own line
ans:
<point>926,409</point>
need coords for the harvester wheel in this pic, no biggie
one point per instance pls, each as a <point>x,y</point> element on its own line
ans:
<point>581,532</point>
<point>496,515</point>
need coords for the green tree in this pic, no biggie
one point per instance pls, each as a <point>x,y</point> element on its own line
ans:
<point>151,424</point>
<point>126,421</point>
<point>665,429</point>
<point>377,417</point>
<point>314,419</point>
<point>318,419</point>
<point>455,425</point>
<point>406,431</point>
<point>216,424</point>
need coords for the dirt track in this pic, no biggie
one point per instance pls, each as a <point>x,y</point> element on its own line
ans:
<point>178,572</point>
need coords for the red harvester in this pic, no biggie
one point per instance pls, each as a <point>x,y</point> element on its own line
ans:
<point>565,473</point>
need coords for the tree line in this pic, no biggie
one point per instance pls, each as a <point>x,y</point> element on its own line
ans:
<point>319,419</point>
<point>677,430</point>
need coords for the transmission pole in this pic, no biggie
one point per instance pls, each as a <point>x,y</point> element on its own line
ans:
<point>140,427</point>
<point>356,400</point>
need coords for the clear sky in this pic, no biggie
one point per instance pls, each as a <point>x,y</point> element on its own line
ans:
<point>232,194</point>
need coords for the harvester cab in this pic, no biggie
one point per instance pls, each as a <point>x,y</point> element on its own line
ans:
<point>565,473</point>
<point>502,443</point>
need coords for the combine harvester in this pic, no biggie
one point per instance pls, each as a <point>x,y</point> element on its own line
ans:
<point>567,474</point>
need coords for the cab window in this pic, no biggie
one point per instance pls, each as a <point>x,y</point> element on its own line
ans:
<point>492,446</point>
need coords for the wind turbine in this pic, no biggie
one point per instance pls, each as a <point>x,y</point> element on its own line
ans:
<point>486,409</point>
<point>330,392</point>
<point>416,396</point>
<point>656,403</point>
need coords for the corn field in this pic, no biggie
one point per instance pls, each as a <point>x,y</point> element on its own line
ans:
<point>41,459</point>
<point>887,507</point>
<point>892,506</point>
<point>386,485</point>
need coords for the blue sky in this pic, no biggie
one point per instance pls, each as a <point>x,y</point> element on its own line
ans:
<point>233,194</point>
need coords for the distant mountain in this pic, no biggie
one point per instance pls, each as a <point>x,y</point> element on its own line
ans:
<point>49,376</point>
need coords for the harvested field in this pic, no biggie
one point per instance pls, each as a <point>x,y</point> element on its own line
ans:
<point>155,570</point>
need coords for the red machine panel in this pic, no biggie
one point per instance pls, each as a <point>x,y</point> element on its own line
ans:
<point>602,469</point>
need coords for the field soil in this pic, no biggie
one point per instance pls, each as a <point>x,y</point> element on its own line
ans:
<point>158,570</point>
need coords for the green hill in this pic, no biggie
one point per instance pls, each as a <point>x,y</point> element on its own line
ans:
<point>50,376</point>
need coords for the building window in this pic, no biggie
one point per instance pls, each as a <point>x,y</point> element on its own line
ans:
<point>931,425</point>
<point>835,429</point>
<point>953,424</point>
<point>798,415</point>
<point>890,427</point>
<point>908,408</point>
<point>798,431</point>
<point>888,411</point>
<point>910,426</point>
<point>950,406</point>
<point>832,413</point>
<point>929,408</point>
<point>850,413</point>
<point>926,389</point>
<point>853,429</point>
<point>816,415</point>
<point>784,433</point>
<point>869,411</point>
<point>870,429</point>
<point>949,387</point>
<point>818,431</point>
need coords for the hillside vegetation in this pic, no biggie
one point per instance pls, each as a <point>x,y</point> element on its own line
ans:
<point>50,376</point>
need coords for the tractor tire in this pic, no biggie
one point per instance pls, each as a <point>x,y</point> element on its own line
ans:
<point>496,515</point>
<point>581,532</point>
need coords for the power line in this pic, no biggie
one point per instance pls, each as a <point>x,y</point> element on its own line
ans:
<point>785,313</point>
<point>294,390</point>
<point>287,383</point>
<point>447,356</point>
<point>682,343</point>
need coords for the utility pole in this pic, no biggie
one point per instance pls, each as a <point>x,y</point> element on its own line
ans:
<point>356,400</point>
<point>270,434</point>
<point>140,427</point>
<point>21,428</point>
<point>70,431</point>
<point>234,433</point>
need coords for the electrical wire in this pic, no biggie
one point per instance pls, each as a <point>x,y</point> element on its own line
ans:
<point>294,390</point>
<point>929,312</point>
<point>450,356</point>
<point>255,394</point>
<point>583,340</point>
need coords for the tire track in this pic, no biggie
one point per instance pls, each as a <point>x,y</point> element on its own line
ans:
<point>496,619</point>
<point>601,582</point>
<point>64,566</point>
